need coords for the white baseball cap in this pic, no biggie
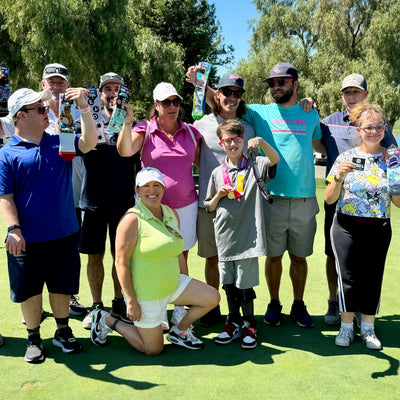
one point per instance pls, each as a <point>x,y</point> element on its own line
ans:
<point>23,97</point>
<point>163,90</point>
<point>147,175</point>
<point>55,69</point>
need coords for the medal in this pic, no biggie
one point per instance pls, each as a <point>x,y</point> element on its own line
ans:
<point>231,195</point>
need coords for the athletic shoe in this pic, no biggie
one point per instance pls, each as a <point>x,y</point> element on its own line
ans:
<point>65,339</point>
<point>75,308</point>
<point>345,337</point>
<point>249,338</point>
<point>165,323</point>
<point>184,339</point>
<point>230,332</point>
<point>369,338</point>
<point>211,318</point>
<point>99,330</point>
<point>177,315</point>
<point>42,317</point>
<point>272,316</point>
<point>1,340</point>
<point>300,314</point>
<point>118,310</point>
<point>34,350</point>
<point>87,321</point>
<point>332,317</point>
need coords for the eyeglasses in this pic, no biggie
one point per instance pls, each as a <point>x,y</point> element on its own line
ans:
<point>228,141</point>
<point>228,92</point>
<point>281,82</point>
<point>56,70</point>
<point>370,129</point>
<point>40,109</point>
<point>167,102</point>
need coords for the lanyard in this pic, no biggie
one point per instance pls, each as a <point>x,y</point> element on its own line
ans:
<point>239,184</point>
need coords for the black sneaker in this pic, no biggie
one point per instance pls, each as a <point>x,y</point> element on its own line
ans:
<point>211,318</point>
<point>75,308</point>
<point>118,310</point>
<point>272,316</point>
<point>65,339</point>
<point>300,315</point>
<point>34,350</point>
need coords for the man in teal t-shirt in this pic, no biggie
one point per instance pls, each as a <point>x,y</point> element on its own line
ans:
<point>290,219</point>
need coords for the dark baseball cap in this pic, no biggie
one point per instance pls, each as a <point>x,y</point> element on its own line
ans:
<point>354,80</point>
<point>231,80</point>
<point>281,70</point>
<point>111,77</point>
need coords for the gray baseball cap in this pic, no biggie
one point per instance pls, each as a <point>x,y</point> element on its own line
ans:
<point>354,80</point>
<point>111,77</point>
<point>55,69</point>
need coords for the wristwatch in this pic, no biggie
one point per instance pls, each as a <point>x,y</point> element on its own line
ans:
<point>12,227</point>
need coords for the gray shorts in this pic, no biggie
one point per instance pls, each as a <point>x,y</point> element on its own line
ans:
<point>206,234</point>
<point>242,273</point>
<point>291,225</point>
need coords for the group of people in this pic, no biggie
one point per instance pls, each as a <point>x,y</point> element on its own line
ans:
<point>231,217</point>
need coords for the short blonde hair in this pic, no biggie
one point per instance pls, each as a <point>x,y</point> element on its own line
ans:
<point>230,125</point>
<point>362,110</point>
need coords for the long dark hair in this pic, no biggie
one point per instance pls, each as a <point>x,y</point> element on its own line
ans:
<point>216,107</point>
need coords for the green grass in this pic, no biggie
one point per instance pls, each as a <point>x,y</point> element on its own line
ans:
<point>289,363</point>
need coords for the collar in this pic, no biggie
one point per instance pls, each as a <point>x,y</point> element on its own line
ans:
<point>142,211</point>
<point>154,126</point>
<point>17,140</point>
<point>241,164</point>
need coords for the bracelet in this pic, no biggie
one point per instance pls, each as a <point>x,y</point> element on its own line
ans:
<point>337,180</point>
<point>12,227</point>
<point>85,110</point>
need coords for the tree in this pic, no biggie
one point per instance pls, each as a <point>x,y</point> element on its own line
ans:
<point>327,40</point>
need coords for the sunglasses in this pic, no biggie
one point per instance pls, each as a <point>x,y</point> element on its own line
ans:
<point>40,109</point>
<point>228,141</point>
<point>370,129</point>
<point>56,70</point>
<point>168,102</point>
<point>228,92</point>
<point>280,82</point>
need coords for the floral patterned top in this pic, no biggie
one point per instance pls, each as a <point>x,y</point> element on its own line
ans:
<point>365,193</point>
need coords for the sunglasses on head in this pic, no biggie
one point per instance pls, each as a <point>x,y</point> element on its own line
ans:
<point>228,92</point>
<point>40,109</point>
<point>281,82</point>
<point>56,70</point>
<point>167,102</point>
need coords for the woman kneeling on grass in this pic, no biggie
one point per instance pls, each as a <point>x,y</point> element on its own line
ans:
<point>361,230</point>
<point>149,259</point>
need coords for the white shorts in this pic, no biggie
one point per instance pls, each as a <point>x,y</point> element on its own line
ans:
<point>153,310</point>
<point>187,219</point>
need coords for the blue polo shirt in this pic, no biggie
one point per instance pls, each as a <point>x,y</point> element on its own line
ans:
<point>290,131</point>
<point>339,136</point>
<point>41,183</point>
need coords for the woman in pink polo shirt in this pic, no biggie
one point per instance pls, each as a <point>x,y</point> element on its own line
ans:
<point>171,146</point>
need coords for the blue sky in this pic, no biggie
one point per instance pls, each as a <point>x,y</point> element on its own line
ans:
<point>233,16</point>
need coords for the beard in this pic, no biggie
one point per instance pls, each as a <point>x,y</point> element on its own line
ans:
<point>284,97</point>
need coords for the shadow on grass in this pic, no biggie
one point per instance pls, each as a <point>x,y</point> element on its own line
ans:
<point>320,340</point>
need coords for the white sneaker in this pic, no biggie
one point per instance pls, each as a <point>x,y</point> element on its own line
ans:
<point>369,338</point>
<point>99,329</point>
<point>165,323</point>
<point>184,339</point>
<point>345,337</point>
<point>178,314</point>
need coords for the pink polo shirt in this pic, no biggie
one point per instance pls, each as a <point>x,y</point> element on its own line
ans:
<point>174,158</point>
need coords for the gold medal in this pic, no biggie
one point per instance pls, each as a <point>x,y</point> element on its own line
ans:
<point>239,182</point>
<point>231,195</point>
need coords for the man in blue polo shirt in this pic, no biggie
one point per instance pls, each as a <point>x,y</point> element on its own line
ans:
<point>339,136</point>
<point>37,205</point>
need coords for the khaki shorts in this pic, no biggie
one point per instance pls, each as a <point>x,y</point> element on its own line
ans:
<point>206,234</point>
<point>291,225</point>
<point>153,311</point>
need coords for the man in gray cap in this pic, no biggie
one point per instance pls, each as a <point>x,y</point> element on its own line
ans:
<point>37,205</point>
<point>339,136</point>
<point>108,188</point>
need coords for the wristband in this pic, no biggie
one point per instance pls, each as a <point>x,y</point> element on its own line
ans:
<point>85,110</point>
<point>12,227</point>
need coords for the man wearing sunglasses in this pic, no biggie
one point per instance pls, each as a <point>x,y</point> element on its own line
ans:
<point>107,192</point>
<point>340,136</point>
<point>37,205</point>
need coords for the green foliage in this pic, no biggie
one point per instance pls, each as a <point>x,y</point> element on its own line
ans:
<point>146,41</point>
<point>327,40</point>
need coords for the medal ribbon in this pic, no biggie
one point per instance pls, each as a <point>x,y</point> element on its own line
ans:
<point>227,180</point>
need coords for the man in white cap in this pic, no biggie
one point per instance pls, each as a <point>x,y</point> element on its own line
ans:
<point>339,136</point>
<point>37,205</point>
<point>108,189</point>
